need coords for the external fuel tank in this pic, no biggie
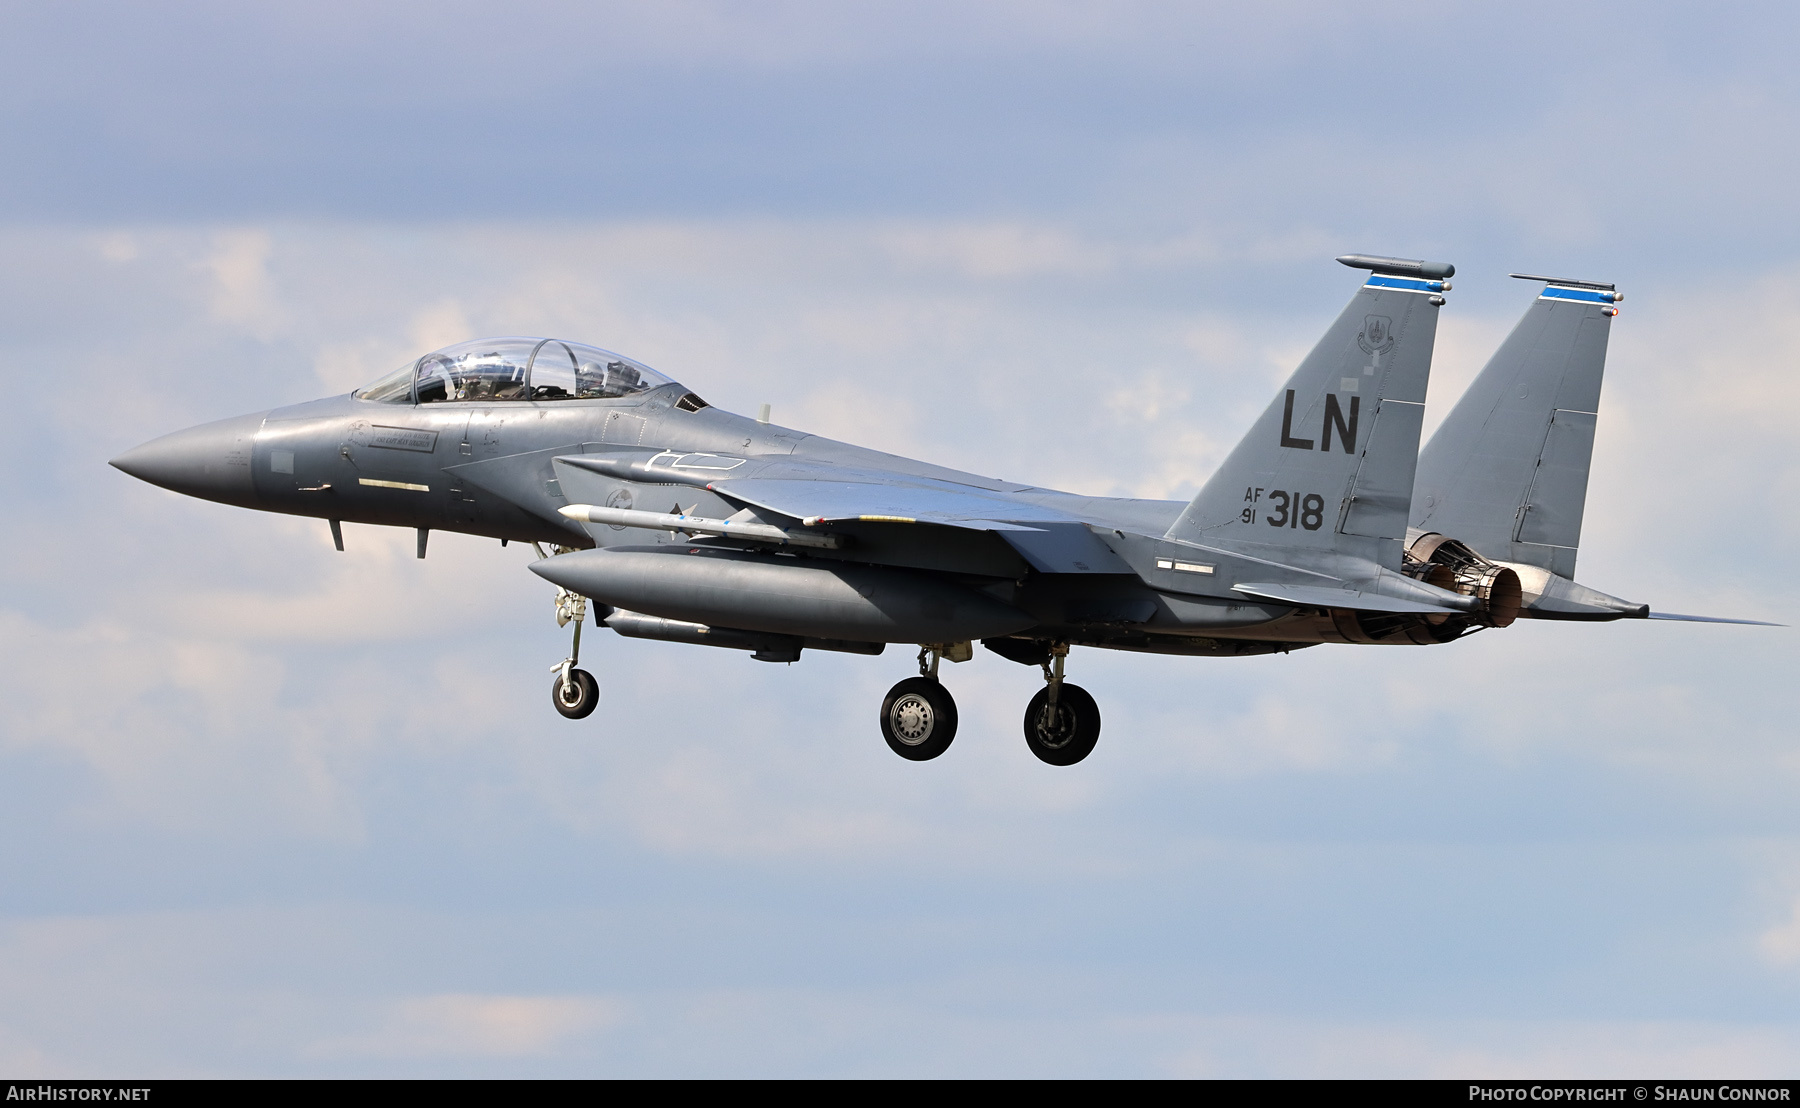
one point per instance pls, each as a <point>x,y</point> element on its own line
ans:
<point>784,594</point>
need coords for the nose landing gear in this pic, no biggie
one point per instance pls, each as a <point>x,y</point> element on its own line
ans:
<point>1062,722</point>
<point>574,691</point>
<point>918,718</point>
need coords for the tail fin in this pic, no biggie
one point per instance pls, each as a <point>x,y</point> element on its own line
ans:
<point>1329,466</point>
<point>1507,471</point>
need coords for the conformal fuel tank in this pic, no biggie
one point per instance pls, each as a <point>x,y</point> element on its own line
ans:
<point>784,594</point>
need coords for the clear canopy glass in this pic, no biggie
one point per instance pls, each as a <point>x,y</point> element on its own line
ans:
<point>515,369</point>
<point>395,388</point>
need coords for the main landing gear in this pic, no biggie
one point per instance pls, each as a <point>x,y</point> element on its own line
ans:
<point>1062,722</point>
<point>918,718</point>
<point>574,691</point>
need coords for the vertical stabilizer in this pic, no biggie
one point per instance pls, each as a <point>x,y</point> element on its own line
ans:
<point>1329,465</point>
<point>1507,471</point>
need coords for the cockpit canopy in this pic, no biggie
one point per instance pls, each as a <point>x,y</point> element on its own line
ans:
<point>515,369</point>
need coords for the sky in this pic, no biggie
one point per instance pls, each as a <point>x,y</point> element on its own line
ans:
<point>271,810</point>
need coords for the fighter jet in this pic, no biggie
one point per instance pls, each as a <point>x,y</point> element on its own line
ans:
<point>685,523</point>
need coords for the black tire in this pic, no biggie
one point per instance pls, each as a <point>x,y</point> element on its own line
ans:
<point>1069,737</point>
<point>918,719</point>
<point>582,697</point>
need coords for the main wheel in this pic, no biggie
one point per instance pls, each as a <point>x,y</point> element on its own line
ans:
<point>918,719</point>
<point>1068,735</point>
<point>579,698</point>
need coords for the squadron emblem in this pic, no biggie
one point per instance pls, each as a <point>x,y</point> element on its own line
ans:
<point>1377,335</point>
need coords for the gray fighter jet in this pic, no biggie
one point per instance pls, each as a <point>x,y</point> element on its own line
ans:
<point>682,522</point>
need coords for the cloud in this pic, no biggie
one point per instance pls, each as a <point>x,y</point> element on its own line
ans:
<point>1781,944</point>
<point>243,293</point>
<point>463,1025</point>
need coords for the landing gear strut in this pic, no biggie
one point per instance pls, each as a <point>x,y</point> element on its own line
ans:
<point>1062,722</point>
<point>574,691</point>
<point>918,718</point>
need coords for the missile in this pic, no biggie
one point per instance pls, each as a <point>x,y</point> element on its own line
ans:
<point>700,525</point>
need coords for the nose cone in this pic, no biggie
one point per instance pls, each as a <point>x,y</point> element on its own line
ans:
<point>211,461</point>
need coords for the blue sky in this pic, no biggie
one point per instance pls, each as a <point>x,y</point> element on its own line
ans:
<point>269,809</point>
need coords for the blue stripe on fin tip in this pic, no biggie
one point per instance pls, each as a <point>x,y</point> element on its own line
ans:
<point>1592,296</point>
<point>1410,284</point>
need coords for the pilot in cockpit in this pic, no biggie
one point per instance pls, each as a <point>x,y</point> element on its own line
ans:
<point>614,379</point>
<point>498,385</point>
<point>498,369</point>
<point>622,378</point>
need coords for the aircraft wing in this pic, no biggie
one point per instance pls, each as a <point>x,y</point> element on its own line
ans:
<point>813,493</point>
<point>1051,541</point>
<point>834,501</point>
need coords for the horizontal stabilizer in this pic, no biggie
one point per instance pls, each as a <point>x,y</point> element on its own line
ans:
<point>1714,619</point>
<point>1312,596</point>
<point>1548,596</point>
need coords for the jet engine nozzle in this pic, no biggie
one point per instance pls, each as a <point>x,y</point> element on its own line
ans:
<point>1450,564</point>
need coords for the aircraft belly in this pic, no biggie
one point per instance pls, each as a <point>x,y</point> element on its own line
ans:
<point>1194,646</point>
<point>786,595</point>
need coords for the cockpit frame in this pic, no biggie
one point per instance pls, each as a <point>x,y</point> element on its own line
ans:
<point>512,370</point>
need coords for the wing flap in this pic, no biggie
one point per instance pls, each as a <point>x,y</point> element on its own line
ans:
<point>1064,548</point>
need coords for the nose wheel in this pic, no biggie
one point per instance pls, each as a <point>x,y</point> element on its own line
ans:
<point>918,718</point>
<point>575,695</point>
<point>1062,722</point>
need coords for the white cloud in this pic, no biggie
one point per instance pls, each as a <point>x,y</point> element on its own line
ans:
<point>464,1025</point>
<point>1781,944</point>
<point>118,247</point>
<point>243,292</point>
